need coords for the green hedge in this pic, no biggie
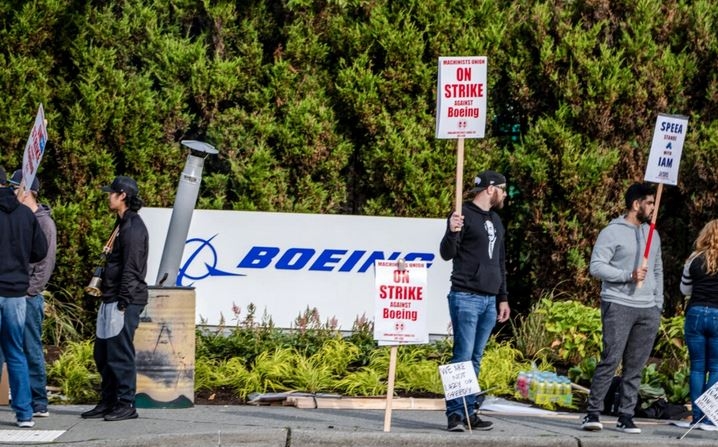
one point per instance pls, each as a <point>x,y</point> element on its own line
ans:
<point>328,107</point>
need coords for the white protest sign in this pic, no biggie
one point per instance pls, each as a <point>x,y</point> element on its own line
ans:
<point>708,403</point>
<point>400,314</point>
<point>461,97</point>
<point>666,149</point>
<point>34,148</point>
<point>459,380</point>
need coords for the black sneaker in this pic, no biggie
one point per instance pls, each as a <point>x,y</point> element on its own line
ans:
<point>121,412</point>
<point>475,423</point>
<point>591,423</point>
<point>456,423</point>
<point>98,412</point>
<point>626,425</point>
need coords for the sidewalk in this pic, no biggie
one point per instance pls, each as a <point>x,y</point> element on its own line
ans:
<point>291,427</point>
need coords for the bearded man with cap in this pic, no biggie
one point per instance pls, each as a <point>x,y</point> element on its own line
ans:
<point>474,240</point>
<point>124,296</point>
<point>21,242</point>
<point>40,273</point>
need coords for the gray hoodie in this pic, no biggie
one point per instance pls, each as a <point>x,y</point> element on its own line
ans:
<point>41,271</point>
<point>617,253</point>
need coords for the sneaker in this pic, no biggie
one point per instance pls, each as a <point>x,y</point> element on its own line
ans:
<point>41,414</point>
<point>122,412</point>
<point>707,426</point>
<point>591,423</point>
<point>475,423</point>
<point>98,412</point>
<point>626,425</point>
<point>26,424</point>
<point>456,423</point>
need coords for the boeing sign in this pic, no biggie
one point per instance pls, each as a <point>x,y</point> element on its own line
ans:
<point>284,263</point>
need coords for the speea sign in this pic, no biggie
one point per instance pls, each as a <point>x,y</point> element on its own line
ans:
<point>285,262</point>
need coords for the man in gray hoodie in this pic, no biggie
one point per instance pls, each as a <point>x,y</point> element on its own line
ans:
<point>40,273</point>
<point>631,304</point>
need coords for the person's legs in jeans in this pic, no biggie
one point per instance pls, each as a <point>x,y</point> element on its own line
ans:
<point>469,322</point>
<point>711,328</point>
<point>638,349</point>
<point>616,326</point>
<point>697,348</point>
<point>34,315</point>
<point>12,327</point>
<point>484,326</point>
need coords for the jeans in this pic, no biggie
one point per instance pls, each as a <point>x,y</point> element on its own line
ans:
<point>473,317</point>
<point>12,328</point>
<point>34,315</point>
<point>701,332</point>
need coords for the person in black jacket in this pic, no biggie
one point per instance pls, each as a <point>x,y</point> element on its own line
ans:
<point>124,296</point>
<point>474,240</point>
<point>21,242</point>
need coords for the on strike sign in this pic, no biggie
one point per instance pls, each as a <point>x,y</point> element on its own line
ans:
<point>400,302</point>
<point>461,97</point>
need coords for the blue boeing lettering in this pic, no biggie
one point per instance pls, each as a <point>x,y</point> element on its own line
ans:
<point>297,258</point>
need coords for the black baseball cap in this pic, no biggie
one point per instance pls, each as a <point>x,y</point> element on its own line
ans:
<point>488,178</point>
<point>3,176</point>
<point>16,179</point>
<point>121,184</point>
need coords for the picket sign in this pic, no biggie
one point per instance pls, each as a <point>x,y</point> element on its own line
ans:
<point>461,106</point>
<point>459,380</point>
<point>708,403</point>
<point>663,163</point>
<point>400,315</point>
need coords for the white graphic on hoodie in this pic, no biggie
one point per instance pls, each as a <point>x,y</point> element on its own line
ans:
<point>489,227</point>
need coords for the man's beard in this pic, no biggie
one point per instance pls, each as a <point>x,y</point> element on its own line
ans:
<point>643,218</point>
<point>497,201</point>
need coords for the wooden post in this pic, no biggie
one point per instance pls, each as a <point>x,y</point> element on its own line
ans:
<point>390,389</point>
<point>647,251</point>
<point>459,174</point>
<point>4,388</point>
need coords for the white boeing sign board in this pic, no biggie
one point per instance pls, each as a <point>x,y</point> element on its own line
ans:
<point>666,149</point>
<point>461,97</point>
<point>284,262</point>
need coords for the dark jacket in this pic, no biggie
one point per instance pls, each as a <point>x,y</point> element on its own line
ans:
<point>21,242</point>
<point>699,285</point>
<point>478,253</point>
<point>123,279</point>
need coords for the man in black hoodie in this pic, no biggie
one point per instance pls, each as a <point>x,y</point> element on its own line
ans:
<point>474,240</point>
<point>124,296</point>
<point>21,242</point>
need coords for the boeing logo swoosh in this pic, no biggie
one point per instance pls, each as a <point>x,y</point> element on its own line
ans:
<point>205,256</point>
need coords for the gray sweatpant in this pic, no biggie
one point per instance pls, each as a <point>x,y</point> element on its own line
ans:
<point>628,336</point>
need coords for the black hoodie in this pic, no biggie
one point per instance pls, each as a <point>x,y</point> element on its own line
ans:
<point>478,253</point>
<point>21,242</point>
